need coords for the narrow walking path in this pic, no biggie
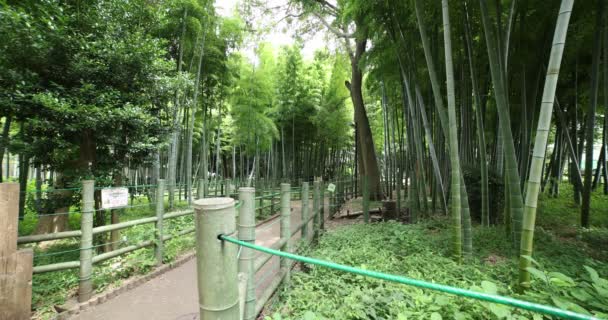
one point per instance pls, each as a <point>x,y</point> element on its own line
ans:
<point>173,295</point>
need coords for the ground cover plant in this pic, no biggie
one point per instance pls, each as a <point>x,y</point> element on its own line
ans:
<point>421,251</point>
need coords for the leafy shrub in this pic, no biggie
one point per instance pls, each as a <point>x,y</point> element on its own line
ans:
<point>418,251</point>
<point>472,178</point>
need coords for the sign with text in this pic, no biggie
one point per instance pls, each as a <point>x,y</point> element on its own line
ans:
<point>331,187</point>
<point>113,198</point>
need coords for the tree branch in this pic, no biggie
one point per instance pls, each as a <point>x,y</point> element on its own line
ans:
<point>333,30</point>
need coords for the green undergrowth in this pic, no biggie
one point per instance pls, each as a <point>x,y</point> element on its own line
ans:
<point>563,211</point>
<point>54,288</point>
<point>421,251</point>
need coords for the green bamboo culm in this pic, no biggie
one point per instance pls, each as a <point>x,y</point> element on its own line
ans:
<point>85,288</point>
<point>548,310</point>
<point>540,143</point>
<point>481,139</point>
<point>246,229</point>
<point>590,126</point>
<point>217,265</point>
<point>498,79</point>
<point>453,135</point>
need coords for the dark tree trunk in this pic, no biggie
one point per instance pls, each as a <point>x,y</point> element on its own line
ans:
<point>365,140</point>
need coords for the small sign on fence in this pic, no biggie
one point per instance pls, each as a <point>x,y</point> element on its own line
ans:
<point>113,198</point>
<point>331,187</point>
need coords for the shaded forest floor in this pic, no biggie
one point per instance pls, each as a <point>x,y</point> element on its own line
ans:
<point>567,259</point>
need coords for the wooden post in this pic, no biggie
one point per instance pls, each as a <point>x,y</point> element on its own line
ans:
<point>85,288</point>
<point>15,266</point>
<point>305,210</point>
<point>286,228</point>
<point>200,191</point>
<point>315,209</point>
<point>160,212</point>
<point>365,199</point>
<point>216,263</point>
<point>246,227</point>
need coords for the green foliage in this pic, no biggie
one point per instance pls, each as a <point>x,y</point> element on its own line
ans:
<point>421,251</point>
<point>55,288</point>
<point>472,178</point>
<point>561,213</point>
<point>588,294</point>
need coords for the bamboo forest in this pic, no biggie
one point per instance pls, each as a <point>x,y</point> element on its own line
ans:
<point>303,159</point>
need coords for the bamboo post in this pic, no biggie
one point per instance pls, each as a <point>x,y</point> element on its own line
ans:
<point>261,204</point>
<point>315,209</point>
<point>305,210</point>
<point>216,262</point>
<point>85,288</point>
<point>200,191</point>
<point>365,199</point>
<point>340,192</point>
<point>322,204</point>
<point>246,227</point>
<point>160,212</point>
<point>332,204</point>
<point>227,191</point>
<point>398,190</point>
<point>286,227</point>
<point>15,266</point>
<point>271,202</point>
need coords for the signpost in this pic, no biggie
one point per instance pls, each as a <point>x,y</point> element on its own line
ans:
<point>331,187</point>
<point>113,198</point>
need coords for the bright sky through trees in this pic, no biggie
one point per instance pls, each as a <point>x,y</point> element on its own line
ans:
<point>280,32</point>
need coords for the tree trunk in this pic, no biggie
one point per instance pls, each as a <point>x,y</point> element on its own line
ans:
<point>365,141</point>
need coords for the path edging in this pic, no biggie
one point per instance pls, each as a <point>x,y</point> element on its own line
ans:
<point>127,285</point>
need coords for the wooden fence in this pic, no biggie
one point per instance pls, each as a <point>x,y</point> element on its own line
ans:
<point>15,265</point>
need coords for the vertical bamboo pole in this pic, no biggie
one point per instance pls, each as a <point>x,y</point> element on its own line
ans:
<point>286,228</point>
<point>261,204</point>
<point>160,212</point>
<point>216,261</point>
<point>365,199</point>
<point>305,210</point>
<point>246,227</point>
<point>271,202</point>
<point>398,190</point>
<point>200,191</point>
<point>227,188</point>
<point>315,209</point>
<point>322,204</point>
<point>85,288</point>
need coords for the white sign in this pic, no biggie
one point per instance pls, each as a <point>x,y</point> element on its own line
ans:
<point>112,198</point>
<point>331,187</point>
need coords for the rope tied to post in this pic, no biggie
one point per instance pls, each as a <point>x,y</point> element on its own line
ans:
<point>530,306</point>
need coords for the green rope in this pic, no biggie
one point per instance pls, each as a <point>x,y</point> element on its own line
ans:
<point>419,283</point>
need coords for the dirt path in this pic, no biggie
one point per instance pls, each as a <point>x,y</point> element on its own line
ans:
<point>173,295</point>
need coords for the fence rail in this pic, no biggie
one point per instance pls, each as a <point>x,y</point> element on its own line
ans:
<point>269,202</point>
